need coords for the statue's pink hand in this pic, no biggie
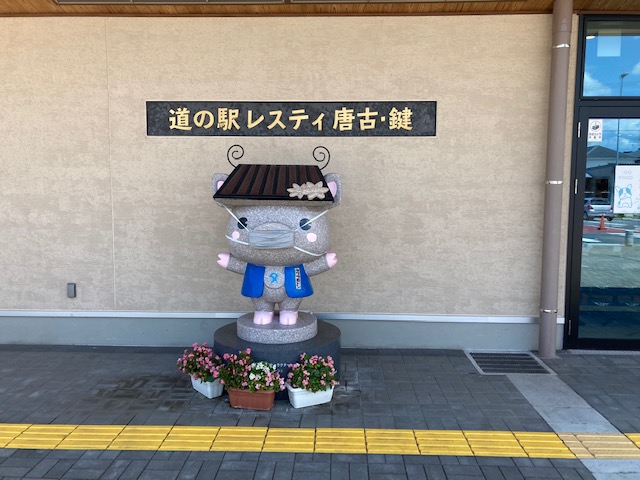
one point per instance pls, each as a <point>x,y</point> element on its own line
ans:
<point>223,259</point>
<point>332,259</point>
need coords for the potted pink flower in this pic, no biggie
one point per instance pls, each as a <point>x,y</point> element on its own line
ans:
<point>203,367</point>
<point>311,381</point>
<point>250,384</point>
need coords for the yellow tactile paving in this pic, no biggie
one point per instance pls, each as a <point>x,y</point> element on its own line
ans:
<point>543,445</point>
<point>140,438</point>
<point>241,439</point>
<point>400,442</point>
<point>494,444</point>
<point>322,440</point>
<point>574,445</point>
<point>442,442</point>
<point>41,436</point>
<point>340,440</point>
<point>190,438</point>
<point>9,431</point>
<point>299,440</point>
<point>635,438</point>
<point>88,437</point>
<point>609,445</point>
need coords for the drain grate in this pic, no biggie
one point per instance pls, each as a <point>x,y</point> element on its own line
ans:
<point>501,363</point>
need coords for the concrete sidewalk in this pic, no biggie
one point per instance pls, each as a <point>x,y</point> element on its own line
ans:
<point>452,421</point>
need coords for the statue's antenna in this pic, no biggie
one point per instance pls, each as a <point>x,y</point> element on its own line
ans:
<point>321,154</point>
<point>236,152</point>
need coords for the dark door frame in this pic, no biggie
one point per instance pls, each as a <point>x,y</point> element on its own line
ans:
<point>574,261</point>
<point>585,107</point>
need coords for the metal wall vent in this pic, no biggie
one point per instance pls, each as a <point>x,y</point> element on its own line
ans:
<point>502,363</point>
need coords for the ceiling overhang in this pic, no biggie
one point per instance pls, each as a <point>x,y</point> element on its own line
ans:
<point>226,2</point>
<point>302,7</point>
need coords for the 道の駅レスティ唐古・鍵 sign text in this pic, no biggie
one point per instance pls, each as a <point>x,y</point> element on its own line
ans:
<point>292,119</point>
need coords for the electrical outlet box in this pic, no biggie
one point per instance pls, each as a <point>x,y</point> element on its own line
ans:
<point>71,290</point>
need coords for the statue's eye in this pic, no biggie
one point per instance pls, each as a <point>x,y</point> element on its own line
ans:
<point>304,224</point>
<point>242,224</point>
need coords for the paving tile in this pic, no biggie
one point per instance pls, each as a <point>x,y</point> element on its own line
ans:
<point>233,475</point>
<point>376,458</point>
<point>339,471</point>
<point>14,471</point>
<point>545,472</point>
<point>231,465</point>
<point>435,472</point>
<point>511,473</point>
<point>311,475</point>
<point>208,469</point>
<point>283,471</point>
<point>395,468</point>
<point>133,470</point>
<point>495,461</point>
<point>189,470</point>
<point>159,474</point>
<point>469,470</point>
<point>98,464</point>
<point>42,468</point>
<point>25,462</point>
<point>60,468</point>
<point>309,467</point>
<point>569,474</point>
<point>114,470</point>
<point>358,470</point>
<point>466,477</point>
<point>83,474</point>
<point>492,473</point>
<point>264,470</point>
<point>416,472</point>
<point>422,460</point>
<point>441,391</point>
<point>136,455</point>
<point>278,457</point>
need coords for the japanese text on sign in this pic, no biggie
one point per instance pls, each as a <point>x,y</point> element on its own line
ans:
<point>291,119</point>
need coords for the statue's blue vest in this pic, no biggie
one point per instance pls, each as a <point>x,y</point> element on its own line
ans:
<point>296,281</point>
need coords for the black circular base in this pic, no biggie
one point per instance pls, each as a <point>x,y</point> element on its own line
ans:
<point>326,343</point>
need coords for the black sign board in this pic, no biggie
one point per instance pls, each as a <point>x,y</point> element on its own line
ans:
<point>292,119</point>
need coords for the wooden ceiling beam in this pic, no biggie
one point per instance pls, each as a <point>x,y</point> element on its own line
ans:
<point>50,7</point>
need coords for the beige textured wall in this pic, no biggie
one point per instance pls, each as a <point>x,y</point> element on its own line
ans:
<point>55,195</point>
<point>444,225</point>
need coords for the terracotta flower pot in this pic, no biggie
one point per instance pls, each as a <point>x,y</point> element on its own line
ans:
<point>260,400</point>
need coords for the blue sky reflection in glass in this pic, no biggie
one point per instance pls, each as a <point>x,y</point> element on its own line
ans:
<point>612,59</point>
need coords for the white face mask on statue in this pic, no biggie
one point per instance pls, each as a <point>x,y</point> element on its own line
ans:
<point>273,239</point>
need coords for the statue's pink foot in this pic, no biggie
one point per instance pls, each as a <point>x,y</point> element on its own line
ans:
<point>262,318</point>
<point>288,317</point>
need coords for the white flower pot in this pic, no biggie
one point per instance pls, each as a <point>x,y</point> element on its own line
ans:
<point>208,389</point>
<point>299,397</point>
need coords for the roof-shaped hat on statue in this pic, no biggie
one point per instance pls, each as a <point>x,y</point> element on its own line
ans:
<point>278,185</point>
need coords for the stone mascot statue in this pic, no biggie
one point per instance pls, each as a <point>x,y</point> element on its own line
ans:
<point>278,233</point>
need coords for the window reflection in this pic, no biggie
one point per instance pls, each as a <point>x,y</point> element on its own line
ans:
<point>619,144</point>
<point>612,59</point>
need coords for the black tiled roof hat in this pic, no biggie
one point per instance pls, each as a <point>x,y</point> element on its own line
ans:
<point>255,184</point>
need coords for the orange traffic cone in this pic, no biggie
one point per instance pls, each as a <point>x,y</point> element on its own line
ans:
<point>602,227</point>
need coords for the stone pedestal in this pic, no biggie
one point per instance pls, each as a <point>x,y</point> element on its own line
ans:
<point>305,329</point>
<point>325,343</point>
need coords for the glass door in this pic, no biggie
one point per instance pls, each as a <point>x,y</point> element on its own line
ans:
<point>604,282</point>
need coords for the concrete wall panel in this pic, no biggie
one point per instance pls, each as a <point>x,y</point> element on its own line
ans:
<point>54,165</point>
<point>449,225</point>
